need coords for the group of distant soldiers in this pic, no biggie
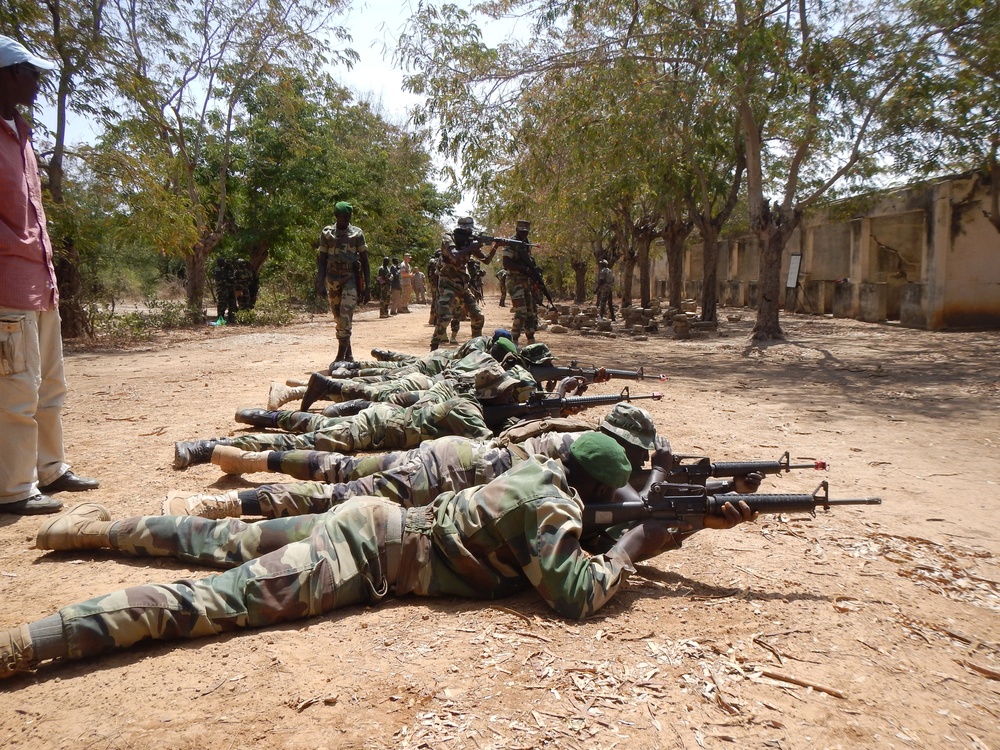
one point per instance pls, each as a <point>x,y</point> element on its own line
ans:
<point>236,287</point>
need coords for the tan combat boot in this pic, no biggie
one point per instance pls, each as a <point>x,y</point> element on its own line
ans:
<point>205,506</point>
<point>281,394</point>
<point>86,526</point>
<point>16,652</point>
<point>235,461</point>
<point>296,382</point>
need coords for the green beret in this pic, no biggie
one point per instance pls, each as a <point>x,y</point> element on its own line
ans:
<point>603,458</point>
<point>506,344</point>
<point>343,207</point>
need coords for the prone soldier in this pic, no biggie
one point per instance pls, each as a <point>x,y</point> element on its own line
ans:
<point>522,530</point>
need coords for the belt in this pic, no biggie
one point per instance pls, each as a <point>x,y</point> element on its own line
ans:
<point>393,542</point>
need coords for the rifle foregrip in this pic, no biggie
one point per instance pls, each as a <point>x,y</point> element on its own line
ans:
<point>782,503</point>
<point>740,468</point>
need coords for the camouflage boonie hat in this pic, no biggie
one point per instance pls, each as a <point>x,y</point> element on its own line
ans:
<point>537,354</point>
<point>526,384</point>
<point>631,424</point>
<point>493,382</point>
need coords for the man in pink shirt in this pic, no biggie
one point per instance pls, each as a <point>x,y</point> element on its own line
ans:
<point>32,382</point>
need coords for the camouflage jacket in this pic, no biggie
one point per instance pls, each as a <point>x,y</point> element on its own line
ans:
<point>343,248</point>
<point>520,531</point>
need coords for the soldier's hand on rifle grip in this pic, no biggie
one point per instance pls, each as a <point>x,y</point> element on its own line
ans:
<point>663,457</point>
<point>574,385</point>
<point>601,376</point>
<point>649,538</point>
<point>732,516</point>
<point>747,484</point>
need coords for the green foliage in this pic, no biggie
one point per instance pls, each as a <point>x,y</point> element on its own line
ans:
<point>112,328</point>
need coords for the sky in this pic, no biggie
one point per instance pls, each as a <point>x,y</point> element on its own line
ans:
<point>375,26</point>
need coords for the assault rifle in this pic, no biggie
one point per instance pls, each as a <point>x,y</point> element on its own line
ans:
<point>702,468</point>
<point>550,374</point>
<point>530,267</point>
<point>689,502</point>
<point>539,406</point>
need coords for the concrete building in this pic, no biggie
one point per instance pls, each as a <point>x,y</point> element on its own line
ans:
<point>924,255</point>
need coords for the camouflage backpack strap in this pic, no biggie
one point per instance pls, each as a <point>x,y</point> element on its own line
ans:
<point>535,427</point>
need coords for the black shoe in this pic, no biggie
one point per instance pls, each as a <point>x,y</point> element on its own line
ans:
<point>348,354</point>
<point>320,386</point>
<point>36,505</point>
<point>194,452</point>
<point>383,355</point>
<point>346,408</point>
<point>258,417</point>
<point>69,482</point>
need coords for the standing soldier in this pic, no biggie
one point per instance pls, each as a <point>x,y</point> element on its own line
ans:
<point>419,287</point>
<point>521,270</point>
<point>384,278</point>
<point>605,289</point>
<point>501,275</point>
<point>342,272</point>
<point>453,280</point>
<point>225,293</point>
<point>406,282</point>
<point>433,272</point>
<point>242,281</point>
<point>395,287</point>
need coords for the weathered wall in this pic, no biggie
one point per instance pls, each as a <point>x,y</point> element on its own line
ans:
<point>926,255</point>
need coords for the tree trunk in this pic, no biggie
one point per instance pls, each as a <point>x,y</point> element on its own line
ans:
<point>643,242</point>
<point>675,270</point>
<point>628,270</point>
<point>580,270</point>
<point>773,232</point>
<point>710,273</point>
<point>194,282</point>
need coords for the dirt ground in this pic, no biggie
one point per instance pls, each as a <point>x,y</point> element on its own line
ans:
<point>864,627</point>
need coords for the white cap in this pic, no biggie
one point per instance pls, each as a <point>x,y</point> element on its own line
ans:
<point>13,52</point>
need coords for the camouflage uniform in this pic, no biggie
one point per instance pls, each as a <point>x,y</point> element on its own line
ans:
<point>520,531</point>
<point>225,292</point>
<point>605,289</point>
<point>433,272</point>
<point>440,411</point>
<point>453,288</point>
<point>384,277</point>
<point>242,283</point>
<point>501,275</point>
<point>518,263</point>
<point>411,478</point>
<point>345,249</point>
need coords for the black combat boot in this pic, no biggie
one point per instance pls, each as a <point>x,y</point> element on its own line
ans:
<point>196,451</point>
<point>348,354</point>
<point>340,350</point>
<point>346,408</point>
<point>320,386</point>
<point>258,417</point>
<point>382,355</point>
<point>434,346</point>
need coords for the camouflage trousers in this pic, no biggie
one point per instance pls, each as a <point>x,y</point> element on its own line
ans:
<point>383,301</point>
<point>278,570</point>
<point>410,478</point>
<point>342,292</point>
<point>448,294</point>
<point>523,304</point>
<point>380,426</point>
<point>384,390</point>
<point>605,300</point>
